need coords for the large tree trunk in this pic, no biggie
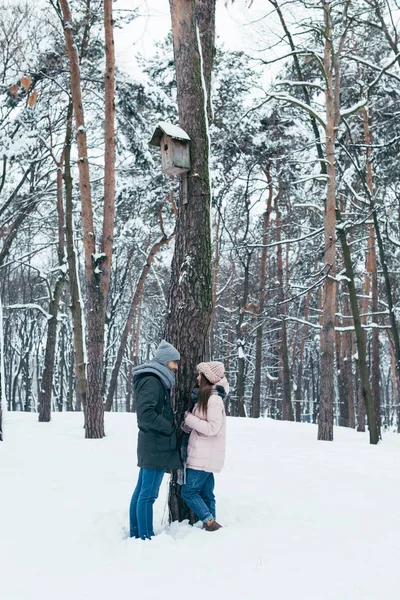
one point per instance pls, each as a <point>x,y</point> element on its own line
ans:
<point>327,340</point>
<point>190,297</point>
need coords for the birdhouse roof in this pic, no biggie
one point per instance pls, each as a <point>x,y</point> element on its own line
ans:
<point>172,130</point>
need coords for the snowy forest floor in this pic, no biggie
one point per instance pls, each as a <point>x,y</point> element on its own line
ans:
<point>303,520</point>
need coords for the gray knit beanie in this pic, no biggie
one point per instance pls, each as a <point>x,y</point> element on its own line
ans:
<point>165,353</point>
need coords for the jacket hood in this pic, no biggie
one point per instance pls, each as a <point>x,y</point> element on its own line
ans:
<point>222,383</point>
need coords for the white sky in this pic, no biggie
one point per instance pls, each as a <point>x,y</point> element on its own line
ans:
<point>238,26</point>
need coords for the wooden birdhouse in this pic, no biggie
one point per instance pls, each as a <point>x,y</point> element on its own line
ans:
<point>174,145</point>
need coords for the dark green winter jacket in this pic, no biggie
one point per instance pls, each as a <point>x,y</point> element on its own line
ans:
<point>157,448</point>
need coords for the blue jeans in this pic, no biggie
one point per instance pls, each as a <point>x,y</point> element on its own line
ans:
<point>141,508</point>
<point>198,493</point>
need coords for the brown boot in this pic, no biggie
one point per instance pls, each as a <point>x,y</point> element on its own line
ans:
<point>212,525</point>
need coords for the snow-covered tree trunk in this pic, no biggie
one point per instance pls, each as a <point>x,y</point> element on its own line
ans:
<point>109,156</point>
<point>46,387</point>
<point>190,297</point>
<point>256,396</point>
<point>240,408</point>
<point>300,367</point>
<point>75,299</point>
<point>215,284</point>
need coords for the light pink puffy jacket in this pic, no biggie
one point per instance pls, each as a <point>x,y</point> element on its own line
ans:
<point>207,441</point>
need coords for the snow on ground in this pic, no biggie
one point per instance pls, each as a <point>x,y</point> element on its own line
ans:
<point>303,520</point>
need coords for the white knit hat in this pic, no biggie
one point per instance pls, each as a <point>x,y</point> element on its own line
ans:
<point>213,371</point>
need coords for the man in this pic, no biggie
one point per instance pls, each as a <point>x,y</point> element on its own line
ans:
<point>157,448</point>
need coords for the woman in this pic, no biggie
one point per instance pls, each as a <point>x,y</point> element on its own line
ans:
<point>206,447</point>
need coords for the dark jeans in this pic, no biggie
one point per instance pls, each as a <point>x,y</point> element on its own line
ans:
<point>141,508</point>
<point>198,493</point>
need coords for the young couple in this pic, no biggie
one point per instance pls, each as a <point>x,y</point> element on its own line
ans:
<point>203,448</point>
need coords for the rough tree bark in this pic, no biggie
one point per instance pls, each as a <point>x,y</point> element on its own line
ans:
<point>205,18</point>
<point>190,297</point>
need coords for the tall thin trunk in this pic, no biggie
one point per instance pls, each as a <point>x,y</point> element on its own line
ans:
<point>360,339</point>
<point>229,328</point>
<point>327,339</point>
<point>240,378</point>
<point>109,155</point>
<point>215,286</point>
<point>75,303</point>
<point>256,397</point>
<point>346,370</point>
<point>46,387</point>
<point>299,381</point>
<point>287,407</point>
<point>389,295</point>
<point>394,379</point>
<point>372,270</point>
